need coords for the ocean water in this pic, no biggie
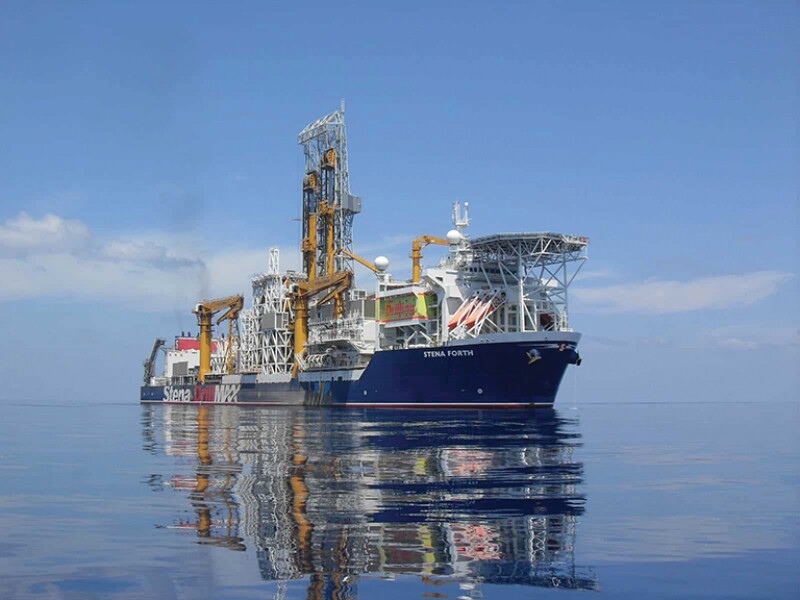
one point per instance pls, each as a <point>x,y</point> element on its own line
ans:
<point>681,500</point>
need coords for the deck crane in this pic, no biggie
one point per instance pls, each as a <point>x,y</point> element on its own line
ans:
<point>379,266</point>
<point>205,312</point>
<point>416,253</point>
<point>150,363</point>
<point>335,283</point>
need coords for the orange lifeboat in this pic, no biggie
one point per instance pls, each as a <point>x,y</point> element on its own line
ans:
<point>462,311</point>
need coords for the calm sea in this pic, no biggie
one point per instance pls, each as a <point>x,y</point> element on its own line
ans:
<point>683,500</point>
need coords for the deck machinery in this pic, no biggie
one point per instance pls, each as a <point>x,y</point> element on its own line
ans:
<point>487,326</point>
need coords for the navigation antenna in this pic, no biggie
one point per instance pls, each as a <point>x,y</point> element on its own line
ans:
<point>460,218</point>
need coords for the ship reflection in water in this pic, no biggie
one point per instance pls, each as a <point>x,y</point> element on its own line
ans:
<point>335,495</point>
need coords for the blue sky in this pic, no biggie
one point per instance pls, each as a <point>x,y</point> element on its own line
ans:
<point>149,156</point>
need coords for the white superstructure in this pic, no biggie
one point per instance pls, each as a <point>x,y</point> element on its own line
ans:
<point>499,284</point>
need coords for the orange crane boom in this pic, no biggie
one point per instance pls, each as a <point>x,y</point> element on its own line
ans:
<point>205,312</point>
<point>416,253</point>
<point>336,283</point>
<point>361,261</point>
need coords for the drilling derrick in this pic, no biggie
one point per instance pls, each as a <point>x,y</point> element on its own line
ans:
<point>328,326</point>
<point>328,205</point>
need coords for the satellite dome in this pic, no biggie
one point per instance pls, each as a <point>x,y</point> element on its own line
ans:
<point>381,263</point>
<point>454,237</point>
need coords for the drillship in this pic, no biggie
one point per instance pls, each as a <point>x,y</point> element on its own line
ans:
<point>487,327</point>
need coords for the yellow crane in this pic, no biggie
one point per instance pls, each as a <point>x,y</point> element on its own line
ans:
<point>336,284</point>
<point>416,253</point>
<point>205,312</point>
<point>328,214</point>
<point>309,244</point>
<point>361,261</point>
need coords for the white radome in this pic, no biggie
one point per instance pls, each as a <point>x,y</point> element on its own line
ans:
<point>381,263</point>
<point>454,237</point>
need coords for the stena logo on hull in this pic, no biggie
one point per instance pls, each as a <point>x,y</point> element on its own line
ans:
<point>218,394</point>
<point>173,394</point>
<point>227,392</point>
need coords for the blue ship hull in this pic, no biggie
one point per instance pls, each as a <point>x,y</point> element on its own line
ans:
<point>477,375</point>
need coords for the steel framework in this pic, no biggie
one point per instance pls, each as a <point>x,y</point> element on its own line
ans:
<point>267,339</point>
<point>537,266</point>
<point>326,195</point>
<point>225,347</point>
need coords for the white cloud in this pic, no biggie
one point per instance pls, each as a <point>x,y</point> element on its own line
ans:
<point>89,277</point>
<point>56,258</point>
<point>603,273</point>
<point>133,250</point>
<point>662,297</point>
<point>25,235</point>
<point>750,337</point>
<point>737,344</point>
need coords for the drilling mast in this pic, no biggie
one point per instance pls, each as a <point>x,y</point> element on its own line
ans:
<point>328,205</point>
